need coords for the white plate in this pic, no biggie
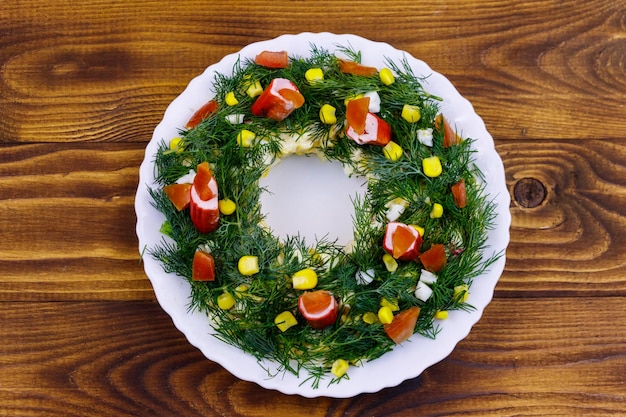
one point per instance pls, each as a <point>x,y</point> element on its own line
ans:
<point>405,361</point>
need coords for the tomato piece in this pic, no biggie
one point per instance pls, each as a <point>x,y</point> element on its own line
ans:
<point>202,113</point>
<point>354,68</point>
<point>403,325</point>
<point>279,99</point>
<point>450,137</point>
<point>319,308</point>
<point>402,241</point>
<point>272,59</point>
<point>178,195</point>
<point>459,193</point>
<point>434,258</point>
<point>203,267</point>
<point>201,181</point>
<point>377,132</point>
<point>356,113</point>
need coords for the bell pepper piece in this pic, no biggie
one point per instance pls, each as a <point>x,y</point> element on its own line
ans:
<point>459,193</point>
<point>203,267</point>
<point>201,181</point>
<point>319,308</point>
<point>402,241</point>
<point>356,113</point>
<point>376,132</point>
<point>178,195</point>
<point>202,113</point>
<point>403,325</point>
<point>434,258</point>
<point>354,68</point>
<point>279,99</point>
<point>272,59</point>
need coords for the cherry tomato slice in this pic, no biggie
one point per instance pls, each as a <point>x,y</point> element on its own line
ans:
<point>449,135</point>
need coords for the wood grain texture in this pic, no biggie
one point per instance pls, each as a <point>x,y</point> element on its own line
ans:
<point>145,367</point>
<point>82,86</point>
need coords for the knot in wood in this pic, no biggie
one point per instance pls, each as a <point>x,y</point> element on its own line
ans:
<point>529,192</point>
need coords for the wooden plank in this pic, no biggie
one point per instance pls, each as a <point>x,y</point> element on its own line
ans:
<point>525,356</point>
<point>91,73</point>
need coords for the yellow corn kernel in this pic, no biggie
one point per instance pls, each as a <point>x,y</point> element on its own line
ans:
<point>392,304</point>
<point>327,114</point>
<point>350,98</point>
<point>392,151</point>
<point>248,265</point>
<point>304,279</point>
<point>370,318</point>
<point>385,315</point>
<point>461,293</point>
<point>390,263</point>
<point>314,75</point>
<point>176,145</point>
<point>226,206</point>
<point>230,99</point>
<point>432,166</point>
<point>339,367</point>
<point>225,301</point>
<point>386,76</point>
<point>411,113</point>
<point>254,89</point>
<point>245,138</point>
<point>240,289</point>
<point>441,315</point>
<point>285,320</point>
<point>420,229</point>
<point>437,211</point>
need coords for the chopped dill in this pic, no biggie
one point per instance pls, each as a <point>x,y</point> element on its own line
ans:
<point>261,297</point>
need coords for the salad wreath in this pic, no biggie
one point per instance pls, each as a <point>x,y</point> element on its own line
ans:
<point>419,230</point>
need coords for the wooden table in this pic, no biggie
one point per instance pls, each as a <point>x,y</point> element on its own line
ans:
<point>82,86</point>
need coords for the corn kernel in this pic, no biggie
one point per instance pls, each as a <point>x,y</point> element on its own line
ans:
<point>248,265</point>
<point>176,145</point>
<point>386,76</point>
<point>254,89</point>
<point>390,263</point>
<point>245,138</point>
<point>226,206</point>
<point>350,98</point>
<point>230,99</point>
<point>392,151</point>
<point>441,315</point>
<point>411,113</point>
<point>392,304</point>
<point>370,318</point>
<point>339,367</point>
<point>240,289</point>
<point>285,320</point>
<point>327,114</point>
<point>304,279</point>
<point>432,166</point>
<point>420,229</point>
<point>437,211</point>
<point>461,293</point>
<point>385,315</point>
<point>225,301</point>
<point>314,75</point>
